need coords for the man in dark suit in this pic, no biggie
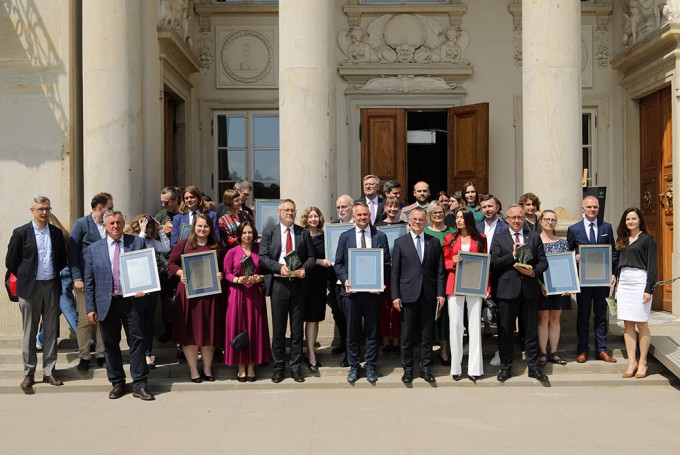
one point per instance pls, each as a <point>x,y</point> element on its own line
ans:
<point>35,254</point>
<point>418,290</point>
<point>371,184</point>
<point>518,290</point>
<point>421,191</point>
<point>85,232</point>
<point>361,305</point>
<point>107,306</point>
<point>288,289</point>
<point>591,232</point>
<point>492,224</point>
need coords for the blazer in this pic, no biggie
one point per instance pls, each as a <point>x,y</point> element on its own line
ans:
<point>98,276</point>
<point>511,283</point>
<point>22,256</point>
<point>450,250</point>
<point>83,234</point>
<point>348,240</point>
<point>380,213</point>
<point>410,278</point>
<point>577,235</point>
<point>501,226</point>
<point>183,218</point>
<point>270,250</point>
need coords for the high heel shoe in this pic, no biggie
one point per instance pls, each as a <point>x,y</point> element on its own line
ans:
<point>630,375</point>
<point>207,378</point>
<point>456,377</point>
<point>641,375</point>
<point>474,378</point>
<point>197,380</point>
<point>250,378</point>
<point>241,378</point>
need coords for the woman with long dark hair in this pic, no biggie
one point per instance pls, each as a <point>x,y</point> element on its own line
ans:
<point>468,239</point>
<point>636,277</point>
<point>471,198</point>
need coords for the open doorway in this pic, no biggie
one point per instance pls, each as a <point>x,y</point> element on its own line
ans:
<point>427,150</point>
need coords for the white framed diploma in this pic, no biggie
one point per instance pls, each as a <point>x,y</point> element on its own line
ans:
<point>472,274</point>
<point>139,272</point>
<point>200,270</point>
<point>365,269</point>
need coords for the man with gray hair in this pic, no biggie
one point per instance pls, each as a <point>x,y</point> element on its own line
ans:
<point>371,185</point>
<point>246,189</point>
<point>35,254</point>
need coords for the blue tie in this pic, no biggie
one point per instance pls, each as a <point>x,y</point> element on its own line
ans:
<point>592,233</point>
<point>419,249</point>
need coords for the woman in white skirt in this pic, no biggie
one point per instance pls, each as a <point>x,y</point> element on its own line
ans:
<point>636,275</point>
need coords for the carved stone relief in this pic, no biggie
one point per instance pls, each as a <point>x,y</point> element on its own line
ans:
<point>405,38</point>
<point>671,10</point>
<point>407,84</point>
<point>641,17</point>
<point>247,57</point>
<point>176,14</point>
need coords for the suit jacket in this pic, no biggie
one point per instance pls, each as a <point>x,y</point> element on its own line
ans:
<point>183,218</point>
<point>270,250</point>
<point>410,278</point>
<point>348,240</point>
<point>380,213</point>
<point>83,234</point>
<point>501,226</point>
<point>22,256</point>
<point>577,235</point>
<point>511,283</point>
<point>452,249</point>
<point>98,276</point>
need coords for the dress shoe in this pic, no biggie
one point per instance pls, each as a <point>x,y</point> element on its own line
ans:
<point>197,380</point>
<point>83,365</point>
<point>353,375</point>
<point>407,378</point>
<point>143,393</point>
<point>427,376</point>
<point>344,363</point>
<point>456,377</point>
<point>52,380</point>
<point>605,357</point>
<point>504,374</point>
<point>27,384</point>
<point>241,378</point>
<point>536,373</point>
<point>371,376</point>
<point>117,391</point>
<point>207,378</point>
<point>582,357</point>
<point>277,376</point>
<point>297,376</point>
<point>101,362</point>
<point>445,362</point>
<point>250,378</point>
<point>339,350</point>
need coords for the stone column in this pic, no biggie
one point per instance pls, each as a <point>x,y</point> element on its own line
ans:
<point>307,104</point>
<point>551,82</point>
<point>112,103</point>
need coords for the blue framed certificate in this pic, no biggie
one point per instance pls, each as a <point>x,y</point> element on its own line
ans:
<point>266,214</point>
<point>561,275</point>
<point>184,231</point>
<point>365,269</point>
<point>139,272</point>
<point>595,265</point>
<point>200,270</point>
<point>393,233</point>
<point>472,274</point>
<point>331,236</point>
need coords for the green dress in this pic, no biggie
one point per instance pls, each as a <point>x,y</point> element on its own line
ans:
<point>441,325</point>
<point>479,216</point>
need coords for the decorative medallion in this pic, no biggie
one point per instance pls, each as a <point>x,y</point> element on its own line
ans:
<point>247,56</point>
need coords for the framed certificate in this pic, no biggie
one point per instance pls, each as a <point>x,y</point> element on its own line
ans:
<point>139,272</point>
<point>184,231</point>
<point>200,270</point>
<point>331,236</point>
<point>393,233</point>
<point>266,213</point>
<point>365,269</point>
<point>561,275</point>
<point>595,265</point>
<point>472,274</point>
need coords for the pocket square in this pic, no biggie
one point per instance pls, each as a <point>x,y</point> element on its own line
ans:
<point>604,235</point>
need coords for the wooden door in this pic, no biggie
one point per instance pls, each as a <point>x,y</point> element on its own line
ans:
<point>383,144</point>
<point>656,184</point>
<point>169,112</point>
<point>469,146</point>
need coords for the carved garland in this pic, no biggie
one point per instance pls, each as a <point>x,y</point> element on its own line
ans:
<point>270,52</point>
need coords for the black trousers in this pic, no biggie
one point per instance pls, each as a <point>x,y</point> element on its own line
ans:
<point>363,306</point>
<point>123,313</point>
<point>146,309</point>
<point>508,311</point>
<point>335,301</point>
<point>288,302</point>
<point>417,317</point>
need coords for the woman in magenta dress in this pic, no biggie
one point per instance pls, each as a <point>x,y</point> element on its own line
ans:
<point>199,321</point>
<point>246,309</point>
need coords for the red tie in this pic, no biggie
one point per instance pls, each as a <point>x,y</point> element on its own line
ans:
<point>289,241</point>
<point>517,238</point>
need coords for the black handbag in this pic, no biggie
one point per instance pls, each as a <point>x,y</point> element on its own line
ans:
<point>240,341</point>
<point>490,311</point>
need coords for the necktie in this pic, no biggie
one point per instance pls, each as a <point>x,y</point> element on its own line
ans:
<point>363,238</point>
<point>517,238</point>
<point>592,233</point>
<point>116,271</point>
<point>373,211</point>
<point>419,249</point>
<point>289,241</point>
<point>192,215</point>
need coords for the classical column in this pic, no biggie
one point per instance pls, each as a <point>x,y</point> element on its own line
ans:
<point>306,103</point>
<point>551,80</point>
<point>112,103</point>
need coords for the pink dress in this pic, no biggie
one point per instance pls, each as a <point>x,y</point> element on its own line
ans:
<point>246,309</point>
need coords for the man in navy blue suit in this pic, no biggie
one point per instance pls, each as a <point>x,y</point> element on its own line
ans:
<point>591,232</point>
<point>107,306</point>
<point>361,305</point>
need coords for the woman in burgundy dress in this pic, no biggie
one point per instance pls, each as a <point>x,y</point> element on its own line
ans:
<point>246,309</point>
<point>199,321</point>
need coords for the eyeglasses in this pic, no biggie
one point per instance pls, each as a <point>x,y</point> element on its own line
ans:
<point>43,209</point>
<point>339,207</point>
<point>549,220</point>
<point>437,214</point>
<point>289,210</point>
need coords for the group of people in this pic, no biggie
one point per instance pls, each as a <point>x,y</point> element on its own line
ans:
<point>418,301</point>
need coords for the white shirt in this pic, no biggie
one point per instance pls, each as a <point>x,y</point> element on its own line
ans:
<point>489,231</point>
<point>100,228</point>
<point>367,235</point>
<point>415,237</point>
<point>521,236</point>
<point>44,243</point>
<point>586,223</point>
<point>284,237</point>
